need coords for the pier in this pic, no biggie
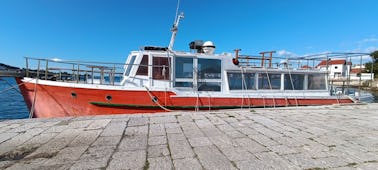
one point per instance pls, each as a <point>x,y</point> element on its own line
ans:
<point>315,137</point>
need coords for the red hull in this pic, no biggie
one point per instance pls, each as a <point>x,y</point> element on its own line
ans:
<point>56,101</point>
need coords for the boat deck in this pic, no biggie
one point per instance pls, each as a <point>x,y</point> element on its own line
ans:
<point>316,137</point>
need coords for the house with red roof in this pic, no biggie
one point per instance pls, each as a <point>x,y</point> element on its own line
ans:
<point>340,68</point>
<point>337,68</point>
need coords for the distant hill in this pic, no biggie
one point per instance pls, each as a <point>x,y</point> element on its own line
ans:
<point>7,67</point>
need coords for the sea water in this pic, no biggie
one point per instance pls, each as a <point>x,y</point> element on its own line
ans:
<point>12,104</point>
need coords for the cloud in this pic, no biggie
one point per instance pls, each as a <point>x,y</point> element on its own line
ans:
<point>285,53</point>
<point>368,40</point>
<point>370,49</point>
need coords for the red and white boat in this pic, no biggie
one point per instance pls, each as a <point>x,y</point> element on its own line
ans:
<point>156,79</point>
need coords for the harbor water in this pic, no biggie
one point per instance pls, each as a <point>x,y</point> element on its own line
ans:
<point>12,105</point>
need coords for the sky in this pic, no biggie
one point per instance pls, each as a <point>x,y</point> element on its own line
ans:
<point>107,30</point>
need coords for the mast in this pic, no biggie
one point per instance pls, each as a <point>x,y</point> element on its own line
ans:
<point>175,27</point>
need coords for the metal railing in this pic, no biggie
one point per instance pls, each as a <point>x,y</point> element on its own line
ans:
<point>74,71</point>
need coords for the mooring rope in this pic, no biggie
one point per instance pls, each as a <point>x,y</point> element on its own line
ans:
<point>156,100</point>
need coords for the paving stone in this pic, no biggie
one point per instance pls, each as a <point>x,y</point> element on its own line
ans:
<point>235,134</point>
<point>186,164</point>
<point>95,157</point>
<point>184,118</point>
<point>66,155</point>
<point>211,158</point>
<point>263,140</point>
<point>252,165</point>
<point>136,131</point>
<point>107,141</point>
<point>225,127</point>
<point>176,136</point>
<point>138,121</point>
<point>158,151</point>
<point>86,139</point>
<point>368,166</point>
<point>270,158</point>
<point>157,130</point>
<point>131,143</point>
<point>6,136</point>
<point>29,164</point>
<point>98,124</point>
<point>192,133</point>
<point>19,139</point>
<point>250,145</point>
<point>222,141</point>
<point>200,141</point>
<point>212,132</point>
<point>180,149</point>
<point>330,162</point>
<point>79,123</point>
<point>24,127</point>
<point>236,153</point>
<point>173,130</point>
<point>159,163</point>
<point>204,123</point>
<point>216,120</point>
<point>282,149</point>
<point>114,129</point>
<point>163,119</point>
<point>128,160</point>
<point>247,131</point>
<point>157,140</point>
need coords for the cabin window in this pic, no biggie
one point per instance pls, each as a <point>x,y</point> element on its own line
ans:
<point>184,67</point>
<point>269,81</point>
<point>183,84</point>
<point>160,70</point>
<point>294,81</point>
<point>183,72</point>
<point>209,74</point>
<point>130,65</point>
<point>209,69</point>
<point>239,81</point>
<point>209,86</point>
<point>316,82</point>
<point>143,67</point>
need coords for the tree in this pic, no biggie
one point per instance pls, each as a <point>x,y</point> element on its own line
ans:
<point>374,56</point>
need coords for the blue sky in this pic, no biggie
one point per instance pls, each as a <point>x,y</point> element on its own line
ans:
<point>107,30</point>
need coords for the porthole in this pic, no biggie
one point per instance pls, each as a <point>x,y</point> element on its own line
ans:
<point>73,94</point>
<point>108,97</point>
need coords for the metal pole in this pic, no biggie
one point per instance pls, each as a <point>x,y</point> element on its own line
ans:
<point>359,89</point>
<point>46,69</point>
<point>27,66</point>
<point>113,76</point>
<point>92,75</point>
<point>78,73</point>
<point>371,71</point>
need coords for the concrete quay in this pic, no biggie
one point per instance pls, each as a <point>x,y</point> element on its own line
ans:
<point>318,137</point>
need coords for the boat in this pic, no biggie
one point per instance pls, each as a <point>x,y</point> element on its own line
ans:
<point>161,79</point>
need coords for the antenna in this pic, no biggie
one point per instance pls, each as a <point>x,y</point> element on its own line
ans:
<point>175,26</point>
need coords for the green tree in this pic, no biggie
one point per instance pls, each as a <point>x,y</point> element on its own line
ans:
<point>374,56</point>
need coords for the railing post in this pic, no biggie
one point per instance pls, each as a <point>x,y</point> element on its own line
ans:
<point>113,75</point>
<point>46,69</point>
<point>27,66</point>
<point>78,73</point>
<point>73,71</point>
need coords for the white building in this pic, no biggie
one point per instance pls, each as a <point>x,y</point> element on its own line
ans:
<point>340,68</point>
<point>337,68</point>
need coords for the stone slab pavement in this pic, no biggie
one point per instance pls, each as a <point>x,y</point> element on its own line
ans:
<point>339,137</point>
